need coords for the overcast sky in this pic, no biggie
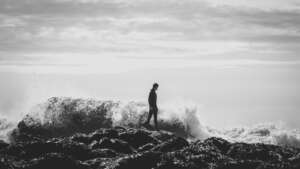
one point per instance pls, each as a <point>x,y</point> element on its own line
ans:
<point>237,39</point>
<point>47,32</point>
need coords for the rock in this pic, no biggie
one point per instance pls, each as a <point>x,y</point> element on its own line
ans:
<point>13,150</point>
<point>114,144</point>
<point>103,153</point>
<point>253,152</point>
<point>126,148</point>
<point>219,143</point>
<point>171,145</point>
<point>81,138</point>
<point>162,135</point>
<point>36,148</point>
<point>179,160</point>
<point>171,165</point>
<point>295,161</point>
<point>137,138</point>
<point>110,133</point>
<point>202,151</point>
<point>146,147</point>
<point>120,128</point>
<point>54,161</point>
<point>4,163</point>
<point>76,150</point>
<point>29,129</point>
<point>146,160</point>
<point>98,163</point>
<point>3,144</point>
<point>99,134</point>
<point>242,164</point>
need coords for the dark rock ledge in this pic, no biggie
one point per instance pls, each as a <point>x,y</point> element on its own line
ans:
<point>128,148</point>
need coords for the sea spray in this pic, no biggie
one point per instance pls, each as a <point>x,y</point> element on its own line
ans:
<point>63,116</point>
<point>184,113</point>
<point>267,133</point>
<point>131,114</point>
<point>6,126</point>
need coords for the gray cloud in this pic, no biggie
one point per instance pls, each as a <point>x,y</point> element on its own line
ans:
<point>44,25</point>
<point>59,8</point>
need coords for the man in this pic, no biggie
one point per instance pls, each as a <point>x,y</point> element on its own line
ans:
<point>152,106</point>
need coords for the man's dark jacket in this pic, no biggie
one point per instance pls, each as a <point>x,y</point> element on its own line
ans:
<point>152,98</point>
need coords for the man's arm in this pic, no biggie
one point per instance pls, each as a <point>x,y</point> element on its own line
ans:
<point>152,99</point>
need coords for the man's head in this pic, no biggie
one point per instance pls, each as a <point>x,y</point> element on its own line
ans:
<point>155,86</point>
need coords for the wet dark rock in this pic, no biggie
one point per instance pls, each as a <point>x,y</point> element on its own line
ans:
<point>172,165</point>
<point>110,133</point>
<point>175,127</point>
<point>162,135</point>
<point>103,153</point>
<point>28,130</point>
<point>146,160</point>
<point>99,134</point>
<point>81,138</point>
<point>13,150</point>
<point>76,150</point>
<point>5,163</point>
<point>254,152</point>
<point>242,164</point>
<point>146,147</point>
<point>205,148</point>
<point>180,160</point>
<point>18,137</point>
<point>173,144</point>
<point>114,144</point>
<point>295,161</point>
<point>36,149</point>
<point>3,144</point>
<point>219,143</point>
<point>54,161</point>
<point>137,138</point>
<point>98,163</point>
<point>120,128</point>
<point>128,148</point>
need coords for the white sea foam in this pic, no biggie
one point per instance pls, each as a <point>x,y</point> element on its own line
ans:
<point>6,126</point>
<point>268,133</point>
<point>65,115</point>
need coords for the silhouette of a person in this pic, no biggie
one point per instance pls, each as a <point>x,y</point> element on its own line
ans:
<point>152,106</point>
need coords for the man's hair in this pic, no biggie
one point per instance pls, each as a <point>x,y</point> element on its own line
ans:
<point>155,85</point>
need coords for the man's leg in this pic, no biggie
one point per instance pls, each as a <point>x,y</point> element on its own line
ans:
<point>149,115</point>
<point>155,110</point>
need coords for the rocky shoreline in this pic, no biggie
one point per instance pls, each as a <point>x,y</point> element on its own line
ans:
<point>128,148</point>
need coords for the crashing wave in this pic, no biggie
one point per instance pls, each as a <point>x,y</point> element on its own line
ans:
<point>63,116</point>
<point>5,127</point>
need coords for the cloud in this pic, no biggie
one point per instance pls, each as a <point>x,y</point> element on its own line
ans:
<point>140,28</point>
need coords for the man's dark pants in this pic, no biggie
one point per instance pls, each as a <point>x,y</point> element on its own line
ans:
<point>152,110</point>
